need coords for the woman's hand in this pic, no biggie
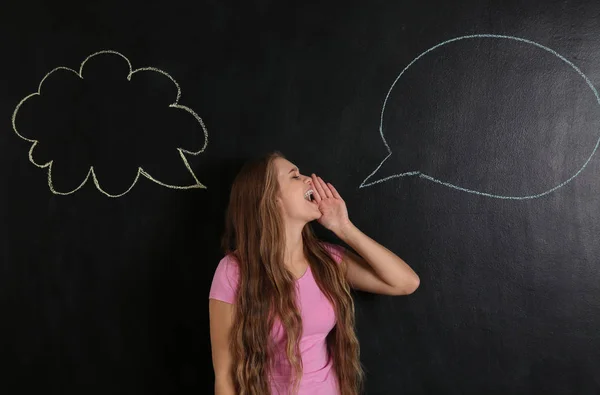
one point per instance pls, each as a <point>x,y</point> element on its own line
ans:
<point>334,214</point>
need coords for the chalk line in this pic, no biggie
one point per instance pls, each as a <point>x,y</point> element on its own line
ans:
<point>91,173</point>
<point>433,179</point>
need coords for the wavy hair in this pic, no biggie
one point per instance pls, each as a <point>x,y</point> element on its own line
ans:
<point>254,235</point>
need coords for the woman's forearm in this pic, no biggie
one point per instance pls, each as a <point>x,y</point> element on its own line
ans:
<point>388,266</point>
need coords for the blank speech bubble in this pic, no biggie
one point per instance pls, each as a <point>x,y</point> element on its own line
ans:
<point>72,116</point>
<point>523,128</point>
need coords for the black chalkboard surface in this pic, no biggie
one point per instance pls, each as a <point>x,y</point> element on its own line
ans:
<point>462,135</point>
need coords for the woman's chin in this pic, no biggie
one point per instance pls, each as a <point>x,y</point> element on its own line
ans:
<point>313,214</point>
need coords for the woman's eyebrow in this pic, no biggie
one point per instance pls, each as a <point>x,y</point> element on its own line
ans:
<point>294,169</point>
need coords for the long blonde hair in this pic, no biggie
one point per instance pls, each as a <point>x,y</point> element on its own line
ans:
<point>254,234</point>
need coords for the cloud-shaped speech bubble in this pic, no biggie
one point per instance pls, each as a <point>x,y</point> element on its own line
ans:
<point>389,168</point>
<point>63,77</point>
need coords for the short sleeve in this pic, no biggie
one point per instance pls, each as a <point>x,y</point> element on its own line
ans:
<point>225,280</point>
<point>337,252</point>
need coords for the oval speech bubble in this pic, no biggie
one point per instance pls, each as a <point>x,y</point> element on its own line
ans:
<point>386,171</point>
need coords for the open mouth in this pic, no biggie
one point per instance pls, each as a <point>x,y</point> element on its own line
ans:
<point>309,196</point>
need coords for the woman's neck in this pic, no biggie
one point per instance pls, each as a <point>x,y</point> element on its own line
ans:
<point>294,246</point>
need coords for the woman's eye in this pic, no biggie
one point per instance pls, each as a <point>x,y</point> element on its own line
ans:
<point>296,177</point>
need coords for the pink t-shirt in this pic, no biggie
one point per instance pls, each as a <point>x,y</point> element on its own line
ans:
<point>318,319</point>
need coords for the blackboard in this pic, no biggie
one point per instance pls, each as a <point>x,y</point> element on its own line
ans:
<point>481,118</point>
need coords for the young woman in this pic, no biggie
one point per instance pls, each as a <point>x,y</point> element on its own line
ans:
<point>281,312</point>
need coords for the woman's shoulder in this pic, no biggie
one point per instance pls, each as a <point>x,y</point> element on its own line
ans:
<point>229,263</point>
<point>228,268</point>
<point>225,279</point>
<point>336,251</point>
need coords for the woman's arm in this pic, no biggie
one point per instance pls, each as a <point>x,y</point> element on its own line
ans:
<point>377,269</point>
<point>221,319</point>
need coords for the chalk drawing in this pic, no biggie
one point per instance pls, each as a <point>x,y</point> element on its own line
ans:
<point>367,182</point>
<point>140,171</point>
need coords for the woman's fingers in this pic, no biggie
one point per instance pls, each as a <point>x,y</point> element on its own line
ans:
<point>325,188</point>
<point>319,193</point>
<point>334,191</point>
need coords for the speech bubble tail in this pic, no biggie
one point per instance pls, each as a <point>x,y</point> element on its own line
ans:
<point>386,170</point>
